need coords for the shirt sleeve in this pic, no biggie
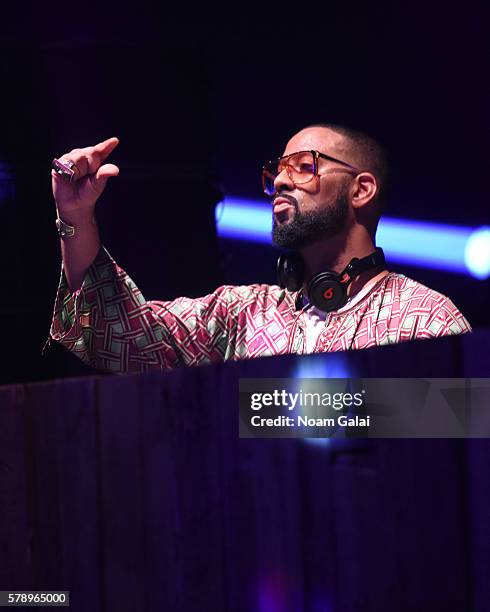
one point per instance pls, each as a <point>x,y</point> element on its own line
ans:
<point>110,326</point>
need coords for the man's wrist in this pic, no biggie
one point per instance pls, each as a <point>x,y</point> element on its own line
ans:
<point>76,218</point>
<point>68,225</point>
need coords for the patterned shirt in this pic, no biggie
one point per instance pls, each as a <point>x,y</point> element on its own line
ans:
<point>110,326</point>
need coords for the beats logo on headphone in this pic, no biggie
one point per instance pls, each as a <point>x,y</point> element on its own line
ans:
<point>326,290</point>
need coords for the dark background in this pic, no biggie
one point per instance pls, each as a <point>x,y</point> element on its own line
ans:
<point>200,98</point>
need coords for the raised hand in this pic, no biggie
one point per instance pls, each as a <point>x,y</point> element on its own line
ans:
<point>79,195</point>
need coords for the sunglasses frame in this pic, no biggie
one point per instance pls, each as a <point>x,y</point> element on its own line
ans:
<point>316,156</point>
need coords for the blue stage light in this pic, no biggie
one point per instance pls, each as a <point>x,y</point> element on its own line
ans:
<point>244,220</point>
<point>429,245</point>
<point>331,366</point>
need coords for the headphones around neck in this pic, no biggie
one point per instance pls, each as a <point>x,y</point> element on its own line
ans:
<point>326,290</point>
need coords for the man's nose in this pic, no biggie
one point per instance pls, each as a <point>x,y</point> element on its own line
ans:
<point>282,182</point>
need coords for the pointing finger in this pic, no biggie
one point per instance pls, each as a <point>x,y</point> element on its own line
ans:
<point>105,148</point>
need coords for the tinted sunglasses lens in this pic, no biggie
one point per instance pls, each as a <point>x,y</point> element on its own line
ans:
<point>269,174</point>
<point>302,167</point>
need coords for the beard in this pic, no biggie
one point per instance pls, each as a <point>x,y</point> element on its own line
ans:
<point>312,226</point>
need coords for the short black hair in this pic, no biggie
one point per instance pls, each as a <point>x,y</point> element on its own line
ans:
<point>368,154</point>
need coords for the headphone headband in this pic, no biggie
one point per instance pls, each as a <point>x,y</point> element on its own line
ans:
<point>358,266</point>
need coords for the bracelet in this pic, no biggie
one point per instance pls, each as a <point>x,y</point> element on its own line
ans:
<point>65,230</point>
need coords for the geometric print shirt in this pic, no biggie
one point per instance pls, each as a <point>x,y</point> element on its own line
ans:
<point>110,326</point>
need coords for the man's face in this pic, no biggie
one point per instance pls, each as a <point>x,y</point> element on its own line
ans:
<point>306,213</point>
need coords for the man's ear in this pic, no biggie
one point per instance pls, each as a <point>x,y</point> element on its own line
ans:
<point>364,189</point>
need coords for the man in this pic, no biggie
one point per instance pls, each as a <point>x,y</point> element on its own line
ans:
<point>328,190</point>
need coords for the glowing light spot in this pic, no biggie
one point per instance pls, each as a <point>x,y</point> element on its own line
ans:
<point>477,253</point>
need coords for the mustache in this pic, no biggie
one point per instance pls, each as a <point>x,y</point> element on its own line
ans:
<point>287,197</point>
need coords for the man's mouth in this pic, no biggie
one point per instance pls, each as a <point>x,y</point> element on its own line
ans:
<point>283,210</point>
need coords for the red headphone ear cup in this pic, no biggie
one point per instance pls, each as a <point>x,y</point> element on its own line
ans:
<point>326,292</point>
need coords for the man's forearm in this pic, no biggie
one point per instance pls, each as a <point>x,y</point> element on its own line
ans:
<point>78,179</point>
<point>79,251</point>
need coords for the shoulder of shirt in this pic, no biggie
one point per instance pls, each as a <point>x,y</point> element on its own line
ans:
<point>409,288</point>
<point>396,286</point>
<point>405,283</point>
